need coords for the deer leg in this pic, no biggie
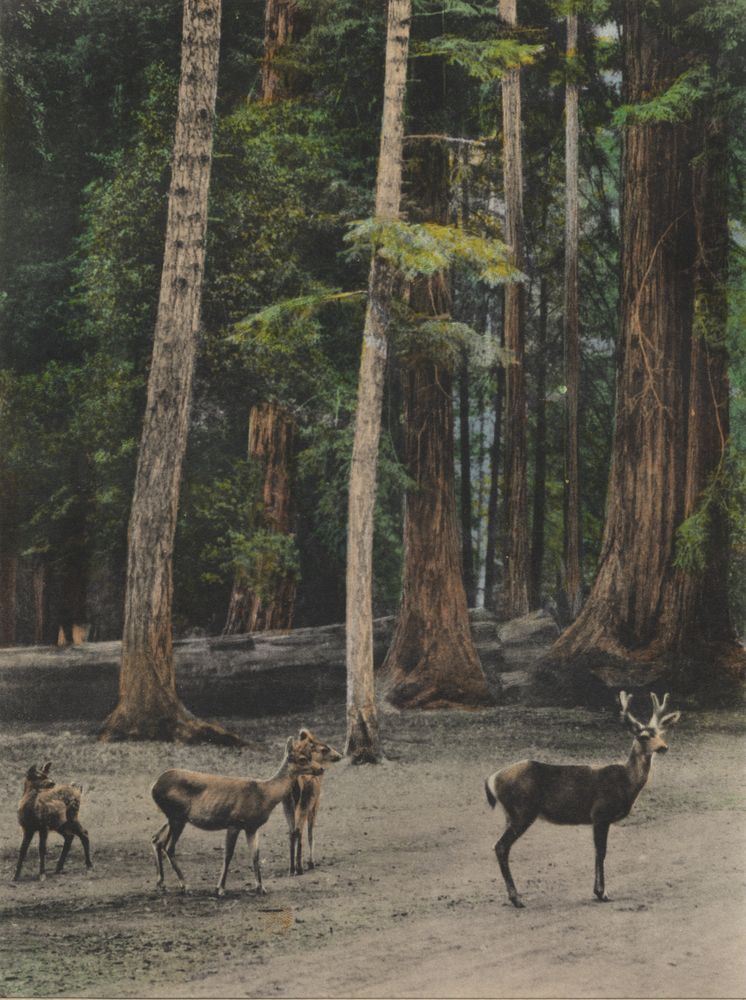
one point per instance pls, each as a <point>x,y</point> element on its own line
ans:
<point>27,836</point>
<point>252,839</point>
<point>158,840</point>
<point>231,836</point>
<point>299,850</point>
<point>82,835</point>
<point>502,849</point>
<point>311,822</point>
<point>42,853</point>
<point>64,852</point>
<point>600,834</point>
<point>294,839</point>
<point>176,828</point>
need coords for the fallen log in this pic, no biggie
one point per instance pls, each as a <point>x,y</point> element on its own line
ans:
<point>241,675</point>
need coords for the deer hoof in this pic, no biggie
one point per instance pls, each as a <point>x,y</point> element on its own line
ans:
<point>601,896</point>
<point>517,902</point>
<point>310,865</point>
<point>42,878</point>
<point>261,891</point>
<point>221,891</point>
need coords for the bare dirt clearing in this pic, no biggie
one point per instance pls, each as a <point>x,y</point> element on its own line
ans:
<point>407,899</point>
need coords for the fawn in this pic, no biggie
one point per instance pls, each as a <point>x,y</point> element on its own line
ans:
<point>214,802</point>
<point>46,806</point>
<point>572,794</point>
<point>302,801</point>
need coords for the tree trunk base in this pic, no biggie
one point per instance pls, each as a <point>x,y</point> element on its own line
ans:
<point>178,726</point>
<point>412,694</point>
<point>711,673</point>
<point>363,745</point>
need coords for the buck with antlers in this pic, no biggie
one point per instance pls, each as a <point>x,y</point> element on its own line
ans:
<point>573,794</point>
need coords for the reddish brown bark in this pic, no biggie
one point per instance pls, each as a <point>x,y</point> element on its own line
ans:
<point>646,615</point>
<point>280,22</point>
<point>9,546</point>
<point>432,661</point>
<point>271,441</point>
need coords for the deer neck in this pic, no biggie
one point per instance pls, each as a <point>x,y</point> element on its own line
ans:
<point>638,767</point>
<point>277,787</point>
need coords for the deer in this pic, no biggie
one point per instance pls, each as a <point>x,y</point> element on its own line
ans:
<point>47,806</point>
<point>301,804</point>
<point>214,802</point>
<point>577,794</point>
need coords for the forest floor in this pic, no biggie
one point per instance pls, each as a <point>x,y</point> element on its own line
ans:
<point>406,900</point>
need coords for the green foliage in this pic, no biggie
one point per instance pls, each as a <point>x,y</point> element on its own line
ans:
<point>484,59</point>
<point>676,104</point>
<point>422,250</point>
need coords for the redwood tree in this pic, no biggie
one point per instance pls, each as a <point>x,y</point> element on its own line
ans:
<point>516,547</point>
<point>573,581</point>
<point>362,717</point>
<point>269,603</point>
<point>148,706</point>
<point>657,609</point>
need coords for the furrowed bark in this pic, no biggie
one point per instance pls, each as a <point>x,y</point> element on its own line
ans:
<point>148,705</point>
<point>362,719</point>
<point>516,577</point>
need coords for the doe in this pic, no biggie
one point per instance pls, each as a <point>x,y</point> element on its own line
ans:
<point>46,806</point>
<point>572,794</point>
<point>214,802</point>
<point>301,804</point>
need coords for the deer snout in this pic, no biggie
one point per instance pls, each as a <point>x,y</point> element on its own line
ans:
<point>662,748</point>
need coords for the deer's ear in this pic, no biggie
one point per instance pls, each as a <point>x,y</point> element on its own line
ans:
<point>46,768</point>
<point>304,735</point>
<point>670,720</point>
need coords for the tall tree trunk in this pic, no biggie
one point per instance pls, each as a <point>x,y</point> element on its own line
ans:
<point>280,19</point>
<point>8,558</point>
<point>572,539</point>
<point>148,705</point>
<point>540,452</point>
<point>493,502</point>
<point>516,578</point>
<point>270,425</point>
<point>38,588</point>
<point>362,718</point>
<point>467,544</point>
<point>432,661</point>
<point>271,441</point>
<point>647,617</point>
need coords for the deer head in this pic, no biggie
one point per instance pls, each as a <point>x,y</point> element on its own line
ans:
<point>38,778</point>
<point>649,736</point>
<point>300,758</point>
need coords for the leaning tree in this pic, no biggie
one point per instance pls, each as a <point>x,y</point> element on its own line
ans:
<point>148,706</point>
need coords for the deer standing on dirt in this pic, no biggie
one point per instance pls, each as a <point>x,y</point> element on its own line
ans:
<point>214,802</point>
<point>572,794</point>
<point>301,804</point>
<point>46,806</point>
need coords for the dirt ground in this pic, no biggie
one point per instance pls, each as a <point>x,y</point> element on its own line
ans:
<point>406,900</point>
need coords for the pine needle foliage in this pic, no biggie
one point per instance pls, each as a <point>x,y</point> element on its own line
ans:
<point>420,250</point>
<point>485,60</point>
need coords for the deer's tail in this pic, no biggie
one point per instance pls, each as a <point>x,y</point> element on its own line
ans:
<point>490,789</point>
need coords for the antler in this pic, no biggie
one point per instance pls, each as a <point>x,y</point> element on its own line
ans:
<point>658,718</point>
<point>658,707</point>
<point>626,716</point>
